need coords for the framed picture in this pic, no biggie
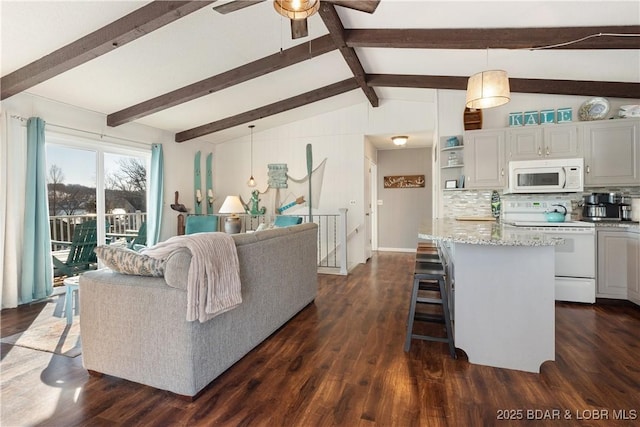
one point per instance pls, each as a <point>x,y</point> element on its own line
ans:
<point>451,183</point>
<point>404,181</point>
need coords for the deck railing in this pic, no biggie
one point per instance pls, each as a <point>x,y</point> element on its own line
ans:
<point>332,234</point>
<point>62,226</point>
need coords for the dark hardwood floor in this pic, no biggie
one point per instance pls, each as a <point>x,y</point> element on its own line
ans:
<point>341,362</point>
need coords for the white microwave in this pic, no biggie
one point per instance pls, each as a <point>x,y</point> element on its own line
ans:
<point>546,176</point>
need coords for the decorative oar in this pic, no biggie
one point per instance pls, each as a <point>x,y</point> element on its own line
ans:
<point>297,201</point>
<point>309,170</point>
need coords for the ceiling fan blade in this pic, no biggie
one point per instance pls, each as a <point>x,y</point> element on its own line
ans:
<point>368,6</point>
<point>234,5</point>
<point>299,28</point>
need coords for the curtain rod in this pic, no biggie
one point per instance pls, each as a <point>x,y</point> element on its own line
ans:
<point>101,135</point>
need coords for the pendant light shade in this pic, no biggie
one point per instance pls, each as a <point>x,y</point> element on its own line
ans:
<point>296,9</point>
<point>252,181</point>
<point>488,89</point>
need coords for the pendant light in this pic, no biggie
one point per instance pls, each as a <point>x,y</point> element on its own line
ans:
<point>252,181</point>
<point>488,89</point>
<point>296,9</point>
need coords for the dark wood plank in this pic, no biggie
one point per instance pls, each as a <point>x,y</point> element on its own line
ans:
<point>559,87</point>
<point>334,25</point>
<point>340,361</point>
<point>108,38</point>
<point>496,38</point>
<point>269,110</point>
<point>246,72</point>
<point>232,6</point>
<point>368,6</point>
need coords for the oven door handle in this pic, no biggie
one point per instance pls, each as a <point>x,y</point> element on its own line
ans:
<point>563,177</point>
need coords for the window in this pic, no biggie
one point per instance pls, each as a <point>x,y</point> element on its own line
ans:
<point>101,182</point>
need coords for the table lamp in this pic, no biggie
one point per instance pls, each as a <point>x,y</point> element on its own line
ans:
<point>233,206</point>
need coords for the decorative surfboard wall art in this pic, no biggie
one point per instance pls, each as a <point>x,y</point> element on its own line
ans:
<point>197,185</point>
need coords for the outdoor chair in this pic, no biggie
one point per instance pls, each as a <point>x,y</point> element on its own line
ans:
<point>140,241</point>
<point>81,256</point>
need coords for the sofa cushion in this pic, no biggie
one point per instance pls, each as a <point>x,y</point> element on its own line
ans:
<point>127,261</point>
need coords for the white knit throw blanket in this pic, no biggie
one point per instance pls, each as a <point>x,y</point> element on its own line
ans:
<point>214,274</point>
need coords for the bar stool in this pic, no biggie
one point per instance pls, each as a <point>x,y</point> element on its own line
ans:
<point>430,276</point>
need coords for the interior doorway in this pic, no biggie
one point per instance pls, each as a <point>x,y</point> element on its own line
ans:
<point>371,195</point>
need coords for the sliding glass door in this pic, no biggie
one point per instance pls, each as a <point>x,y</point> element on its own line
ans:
<point>97,194</point>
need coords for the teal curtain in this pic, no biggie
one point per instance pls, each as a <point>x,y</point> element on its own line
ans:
<point>156,189</point>
<point>37,269</point>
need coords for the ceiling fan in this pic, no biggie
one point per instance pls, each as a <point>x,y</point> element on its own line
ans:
<point>299,10</point>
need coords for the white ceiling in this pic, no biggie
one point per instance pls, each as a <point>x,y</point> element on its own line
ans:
<point>206,43</point>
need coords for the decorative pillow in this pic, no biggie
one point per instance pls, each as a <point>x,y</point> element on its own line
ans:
<point>264,226</point>
<point>287,221</point>
<point>127,261</point>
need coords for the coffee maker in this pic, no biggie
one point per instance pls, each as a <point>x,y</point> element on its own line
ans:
<point>606,207</point>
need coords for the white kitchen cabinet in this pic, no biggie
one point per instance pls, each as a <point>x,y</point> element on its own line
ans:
<point>633,290</point>
<point>612,152</point>
<point>619,264</point>
<point>549,141</point>
<point>561,141</point>
<point>484,159</point>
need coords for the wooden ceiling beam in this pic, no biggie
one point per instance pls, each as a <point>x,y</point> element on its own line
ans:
<point>229,78</point>
<point>494,38</point>
<point>108,38</point>
<point>556,87</point>
<point>269,110</point>
<point>368,6</point>
<point>336,30</point>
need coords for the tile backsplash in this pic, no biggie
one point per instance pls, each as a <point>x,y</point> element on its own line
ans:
<point>478,202</point>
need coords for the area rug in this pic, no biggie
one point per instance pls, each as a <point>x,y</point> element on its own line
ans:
<point>50,333</point>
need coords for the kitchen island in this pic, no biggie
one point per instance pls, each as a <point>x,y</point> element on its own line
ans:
<point>503,291</point>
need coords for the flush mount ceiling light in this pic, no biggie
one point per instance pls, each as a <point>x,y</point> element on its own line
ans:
<point>488,89</point>
<point>399,140</point>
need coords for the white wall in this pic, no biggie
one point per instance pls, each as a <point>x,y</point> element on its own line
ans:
<point>403,209</point>
<point>91,126</point>
<point>338,136</point>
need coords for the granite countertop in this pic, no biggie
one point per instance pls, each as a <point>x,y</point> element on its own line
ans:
<point>483,233</point>
<point>618,224</point>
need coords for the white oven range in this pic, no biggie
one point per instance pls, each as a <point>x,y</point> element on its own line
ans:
<point>575,259</point>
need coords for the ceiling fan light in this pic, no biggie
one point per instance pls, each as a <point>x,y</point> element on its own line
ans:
<point>488,89</point>
<point>296,9</point>
<point>399,140</point>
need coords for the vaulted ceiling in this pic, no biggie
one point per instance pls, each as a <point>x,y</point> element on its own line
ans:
<point>188,69</point>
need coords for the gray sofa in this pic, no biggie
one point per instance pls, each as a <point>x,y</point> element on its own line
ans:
<point>134,327</point>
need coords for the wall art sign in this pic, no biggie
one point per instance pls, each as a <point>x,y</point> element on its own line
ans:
<point>542,117</point>
<point>404,181</point>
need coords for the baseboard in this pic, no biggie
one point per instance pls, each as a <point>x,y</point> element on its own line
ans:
<point>397,250</point>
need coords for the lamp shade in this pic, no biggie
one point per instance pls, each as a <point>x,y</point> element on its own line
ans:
<point>231,205</point>
<point>488,89</point>
<point>296,9</point>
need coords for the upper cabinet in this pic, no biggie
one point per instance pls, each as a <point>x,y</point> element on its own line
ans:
<point>612,152</point>
<point>552,141</point>
<point>484,159</point>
